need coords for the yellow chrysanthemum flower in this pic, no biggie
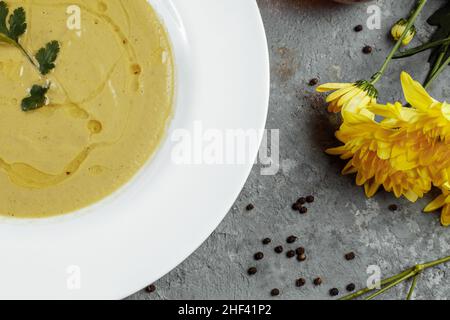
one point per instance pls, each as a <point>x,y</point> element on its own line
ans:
<point>406,152</point>
<point>399,28</point>
<point>350,97</point>
<point>379,156</point>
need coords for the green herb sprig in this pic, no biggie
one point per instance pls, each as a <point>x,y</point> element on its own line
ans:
<point>12,27</point>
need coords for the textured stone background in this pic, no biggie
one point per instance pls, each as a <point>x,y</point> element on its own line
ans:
<point>310,39</point>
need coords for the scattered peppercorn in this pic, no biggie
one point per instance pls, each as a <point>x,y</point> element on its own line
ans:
<point>250,207</point>
<point>278,249</point>
<point>275,292</point>
<point>393,207</point>
<point>151,288</point>
<point>251,271</point>
<point>300,282</point>
<point>291,239</point>
<point>303,210</point>
<point>367,49</point>
<point>359,28</point>
<point>296,207</point>
<point>317,281</point>
<point>300,250</point>
<point>334,292</point>
<point>301,200</point>
<point>259,256</point>
<point>301,257</point>
<point>310,199</point>
<point>290,254</point>
<point>351,287</point>
<point>313,82</point>
<point>350,256</point>
<point>266,241</point>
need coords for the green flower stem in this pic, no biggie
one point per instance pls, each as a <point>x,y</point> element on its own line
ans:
<point>397,279</point>
<point>422,48</point>
<point>391,285</point>
<point>435,263</point>
<point>382,283</point>
<point>377,76</point>
<point>25,53</point>
<point>413,286</point>
<point>439,59</point>
<point>436,74</point>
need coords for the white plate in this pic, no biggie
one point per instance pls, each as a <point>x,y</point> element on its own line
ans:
<point>136,236</point>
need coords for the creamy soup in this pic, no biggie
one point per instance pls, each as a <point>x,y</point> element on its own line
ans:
<point>107,108</point>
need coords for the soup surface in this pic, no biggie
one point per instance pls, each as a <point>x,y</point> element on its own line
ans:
<point>108,104</point>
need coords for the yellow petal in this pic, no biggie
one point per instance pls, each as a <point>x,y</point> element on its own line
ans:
<point>338,94</point>
<point>445,109</point>
<point>332,86</point>
<point>386,111</point>
<point>435,204</point>
<point>349,96</point>
<point>445,216</point>
<point>411,196</point>
<point>415,94</point>
<point>371,188</point>
<point>336,151</point>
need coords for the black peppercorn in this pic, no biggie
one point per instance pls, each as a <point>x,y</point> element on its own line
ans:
<point>303,210</point>
<point>367,49</point>
<point>291,239</point>
<point>251,271</point>
<point>351,287</point>
<point>350,256</point>
<point>278,249</point>
<point>151,288</point>
<point>317,281</point>
<point>313,82</point>
<point>290,254</point>
<point>259,256</point>
<point>300,282</point>
<point>250,207</point>
<point>334,292</point>
<point>275,292</point>
<point>393,207</point>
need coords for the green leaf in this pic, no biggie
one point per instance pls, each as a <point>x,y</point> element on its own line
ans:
<point>17,24</point>
<point>47,57</point>
<point>16,27</point>
<point>440,19</point>
<point>36,99</point>
<point>4,11</point>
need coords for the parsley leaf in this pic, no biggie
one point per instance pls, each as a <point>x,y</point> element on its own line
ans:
<point>36,99</point>
<point>47,57</point>
<point>17,23</point>
<point>4,11</point>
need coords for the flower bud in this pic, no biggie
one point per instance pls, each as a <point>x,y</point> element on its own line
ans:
<point>399,28</point>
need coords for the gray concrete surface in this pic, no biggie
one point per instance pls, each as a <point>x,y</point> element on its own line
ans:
<point>310,39</point>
